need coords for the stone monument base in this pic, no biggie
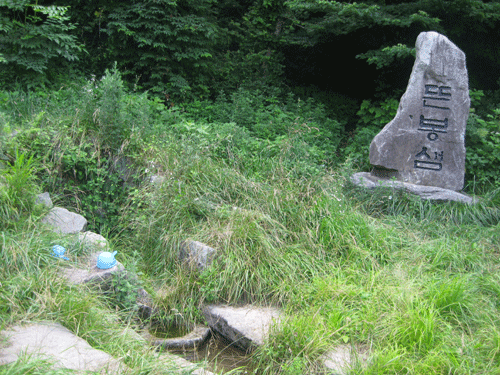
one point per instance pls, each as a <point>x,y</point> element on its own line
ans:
<point>369,181</point>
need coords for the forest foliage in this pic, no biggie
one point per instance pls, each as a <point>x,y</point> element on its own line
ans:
<point>194,49</point>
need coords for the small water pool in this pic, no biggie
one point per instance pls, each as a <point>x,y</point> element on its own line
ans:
<point>199,344</point>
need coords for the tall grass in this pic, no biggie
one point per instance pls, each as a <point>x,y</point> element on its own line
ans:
<point>404,271</point>
<point>411,285</point>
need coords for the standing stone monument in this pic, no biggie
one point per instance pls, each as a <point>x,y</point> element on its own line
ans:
<point>425,142</point>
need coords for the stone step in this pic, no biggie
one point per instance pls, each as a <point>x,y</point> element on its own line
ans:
<point>56,343</point>
<point>245,327</point>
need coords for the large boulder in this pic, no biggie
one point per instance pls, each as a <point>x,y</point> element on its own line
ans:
<point>424,143</point>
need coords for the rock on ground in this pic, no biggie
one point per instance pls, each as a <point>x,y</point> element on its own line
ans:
<point>425,142</point>
<point>90,272</point>
<point>367,180</point>
<point>196,254</point>
<point>54,342</point>
<point>92,239</point>
<point>245,327</point>
<point>342,359</point>
<point>193,339</point>
<point>44,198</point>
<point>65,222</point>
<point>87,272</point>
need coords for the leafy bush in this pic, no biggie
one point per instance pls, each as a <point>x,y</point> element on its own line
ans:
<point>33,37</point>
<point>103,112</point>
<point>162,43</point>
<point>251,70</point>
<point>124,291</point>
<point>483,151</point>
<point>271,125</point>
<point>77,173</point>
<point>372,118</point>
<point>87,149</point>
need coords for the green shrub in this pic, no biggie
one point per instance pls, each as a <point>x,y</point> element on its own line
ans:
<point>87,138</point>
<point>103,112</point>
<point>483,151</point>
<point>252,70</point>
<point>123,292</point>
<point>33,38</point>
<point>266,126</point>
<point>372,118</point>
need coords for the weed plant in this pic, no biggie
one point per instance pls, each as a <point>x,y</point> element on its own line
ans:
<point>17,189</point>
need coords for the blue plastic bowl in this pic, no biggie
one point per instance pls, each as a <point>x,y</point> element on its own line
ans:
<point>59,252</point>
<point>106,260</point>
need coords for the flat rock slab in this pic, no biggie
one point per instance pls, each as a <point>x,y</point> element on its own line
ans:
<point>367,180</point>
<point>90,273</point>
<point>55,343</point>
<point>193,339</point>
<point>245,327</point>
<point>65,222</point>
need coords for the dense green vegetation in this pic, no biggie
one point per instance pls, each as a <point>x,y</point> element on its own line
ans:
<point>252,139</point>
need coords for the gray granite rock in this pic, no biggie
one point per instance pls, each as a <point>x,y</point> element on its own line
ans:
<point>145,304</point>
<point>196,254</point>
<point>367,180</point>
<point>193,339</point>
<point>88,272</point>
<point>65,222</point>
<point>342,359</point>
<point>93,240</point>
<point>424,143</point>
<point>59,345</point>
<point>245,327</point>
<point>44,198</point>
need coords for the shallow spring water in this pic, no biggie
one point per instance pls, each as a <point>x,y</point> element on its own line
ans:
<point>220,355</point>
<point>174,330</point>
<point>217,351</point>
